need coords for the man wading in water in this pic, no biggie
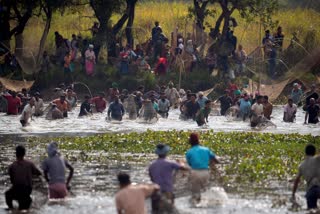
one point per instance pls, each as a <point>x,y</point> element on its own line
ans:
<point>161,172</point>
<point>54,172</point>
<point>199,159</point>
<point>21,172</point>
<point>310,170</point>
<point>130,198</point>
<point>116,110</point>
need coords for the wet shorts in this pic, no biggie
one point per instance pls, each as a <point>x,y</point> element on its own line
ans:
<point>57,191</point>
<point>312,197</point>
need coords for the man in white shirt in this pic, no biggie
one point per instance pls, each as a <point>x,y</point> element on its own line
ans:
<point>38,105</point>
<point>289,111</point>
<point>257,112</point>
<point>164,106</point>
<point>27,112</point>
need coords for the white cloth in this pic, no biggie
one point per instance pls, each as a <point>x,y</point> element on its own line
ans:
<point>26,113</point>
<point>290,110</point>
<point>172,95</point>
<point>38,107</point>
<point>257,109</point>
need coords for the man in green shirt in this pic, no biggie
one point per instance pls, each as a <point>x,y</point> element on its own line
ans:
<point>203,114</point>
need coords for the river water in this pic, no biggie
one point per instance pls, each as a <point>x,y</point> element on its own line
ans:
<point>95,183</point>
<point>97,124</point>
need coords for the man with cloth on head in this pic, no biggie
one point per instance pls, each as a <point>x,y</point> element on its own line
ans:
<point>199,159</point>
<point>54,172</point>
<point>161,173</point>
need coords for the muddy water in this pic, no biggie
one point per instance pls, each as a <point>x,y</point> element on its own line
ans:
<point>95,183</point>
<point>98,124</point>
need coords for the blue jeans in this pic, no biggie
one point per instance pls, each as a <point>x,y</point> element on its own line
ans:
<point>312,197</point>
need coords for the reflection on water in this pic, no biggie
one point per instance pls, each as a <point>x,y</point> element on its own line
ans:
<point>98,124</point>
<point>95,183</point>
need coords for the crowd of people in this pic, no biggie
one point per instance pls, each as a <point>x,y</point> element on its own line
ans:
<point>240,104</point>
<point>149,106</point>
<point>130,198</point>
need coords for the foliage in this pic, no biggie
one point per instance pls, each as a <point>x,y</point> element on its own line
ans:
<point>298,20</point>
<point>248,157</point>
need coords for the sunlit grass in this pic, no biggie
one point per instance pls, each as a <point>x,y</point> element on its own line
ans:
<point>171,15</point>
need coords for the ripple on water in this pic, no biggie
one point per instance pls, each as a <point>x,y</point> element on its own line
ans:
<point>98,124</point>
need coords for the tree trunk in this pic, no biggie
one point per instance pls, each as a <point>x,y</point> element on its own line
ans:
<point>131,4</point>
<point>18,33</point>
<point>19,45</point>
<point>200,16</point>
<point>5,23</point>
<point>44,35</point>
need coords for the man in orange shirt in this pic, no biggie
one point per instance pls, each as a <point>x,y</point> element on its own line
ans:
<point>62,105</point>
<point>14,103</point>
<point>99,102</point>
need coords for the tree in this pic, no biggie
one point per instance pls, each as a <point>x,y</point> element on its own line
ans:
<point>47,7</point>
<point>103,10</point>
<point>16,12</point>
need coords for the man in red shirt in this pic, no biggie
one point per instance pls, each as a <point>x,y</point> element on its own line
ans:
<point>21,172</point>
<point>14,103</point>
<point>99,102</point>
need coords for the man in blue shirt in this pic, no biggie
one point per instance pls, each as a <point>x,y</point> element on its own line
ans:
<point>116,110</point>
<point>199,159</point>
<point>161,172</point>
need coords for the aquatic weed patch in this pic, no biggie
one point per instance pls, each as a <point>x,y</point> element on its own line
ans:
<point>249,157</point>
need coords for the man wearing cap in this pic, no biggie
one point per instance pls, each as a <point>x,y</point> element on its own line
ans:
<point>296,94</point>
<point>38,105</point>
<point>199,159</point>
<point>99,102</point>
<point>161,172</point>
<point>62,105</point>
<point>54,172</point>
<point>201,99</point>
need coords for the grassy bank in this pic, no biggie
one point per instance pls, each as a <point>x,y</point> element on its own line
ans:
<point>250,157</point>
<point>170,15</point>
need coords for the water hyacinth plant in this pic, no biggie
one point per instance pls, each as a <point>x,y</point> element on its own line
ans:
<point>248,157</point>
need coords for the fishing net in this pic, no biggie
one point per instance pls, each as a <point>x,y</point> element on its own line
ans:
<point>305,65</point>
<point>272,91</point>
<point>15,85</point>
<point>28,63</point>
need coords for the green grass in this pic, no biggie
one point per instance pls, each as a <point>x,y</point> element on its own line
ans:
<point>170,15</point>
<point>251,157</point>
